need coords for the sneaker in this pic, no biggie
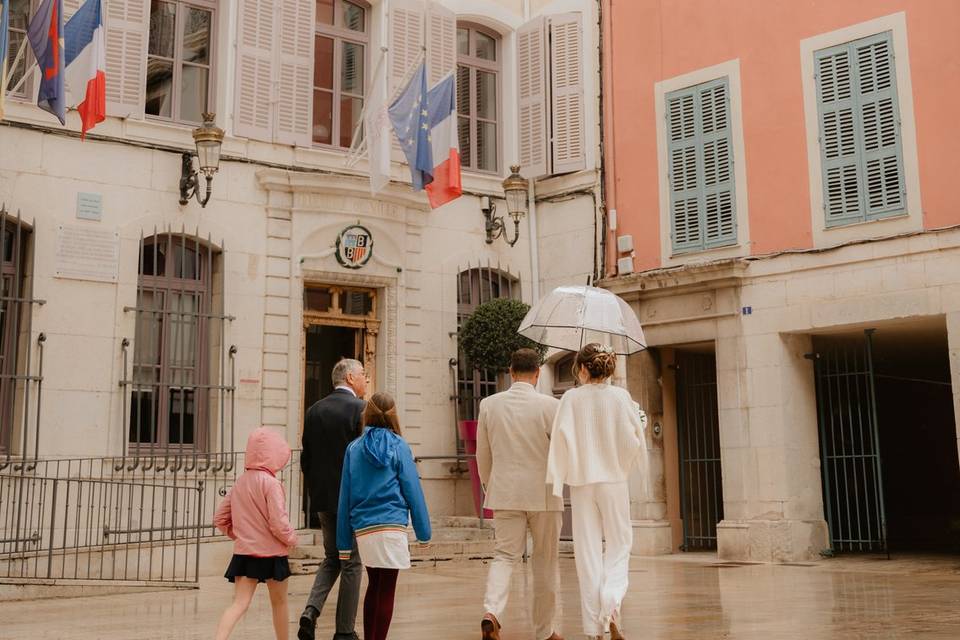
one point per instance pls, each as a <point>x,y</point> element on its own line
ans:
<point>490,627</point>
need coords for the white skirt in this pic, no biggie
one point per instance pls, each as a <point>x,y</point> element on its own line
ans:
<point>384,549</point>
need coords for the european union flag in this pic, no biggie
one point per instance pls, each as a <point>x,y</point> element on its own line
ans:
<point>46,40</point>
<point>411,122</point>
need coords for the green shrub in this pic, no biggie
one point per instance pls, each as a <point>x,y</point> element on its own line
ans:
<point>489,335</point>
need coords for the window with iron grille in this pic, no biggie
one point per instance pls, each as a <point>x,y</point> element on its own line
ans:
<point>179,84</point>
<point>13,252</point>
<point>478,106</point>
<point>172,355</point>
<point>860,139</point>
<point>339,61</point>
<point>474,287</point>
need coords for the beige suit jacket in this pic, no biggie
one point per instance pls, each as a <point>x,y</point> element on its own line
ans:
<point>513,440</point>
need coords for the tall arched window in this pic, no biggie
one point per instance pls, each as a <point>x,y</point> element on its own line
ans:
<point>171,354</point>
<point>339,62</point>
<point>478,97</point>
<point>14,321</point>
<point>474,287</point>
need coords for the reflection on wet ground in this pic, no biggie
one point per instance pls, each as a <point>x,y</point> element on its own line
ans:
<point>676,597</point>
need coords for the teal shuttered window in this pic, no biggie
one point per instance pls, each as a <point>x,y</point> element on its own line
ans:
<point>860,145</point>
<point>702,199</point>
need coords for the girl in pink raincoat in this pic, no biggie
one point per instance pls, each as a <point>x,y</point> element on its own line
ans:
<point>254,516</point>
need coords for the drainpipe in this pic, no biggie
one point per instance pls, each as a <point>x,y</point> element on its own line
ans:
<point>532,214</point>
<point>607,132</point>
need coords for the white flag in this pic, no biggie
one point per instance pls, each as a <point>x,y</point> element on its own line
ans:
<point>377,128</point>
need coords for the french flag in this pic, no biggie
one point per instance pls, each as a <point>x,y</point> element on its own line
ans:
<point>86,61</point>
<point>442,119</point>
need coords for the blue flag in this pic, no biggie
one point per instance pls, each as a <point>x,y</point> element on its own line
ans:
<point>46,40</point>
<point>411,122</point>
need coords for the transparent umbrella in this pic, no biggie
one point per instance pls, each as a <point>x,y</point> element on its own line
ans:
<point>570,317</point>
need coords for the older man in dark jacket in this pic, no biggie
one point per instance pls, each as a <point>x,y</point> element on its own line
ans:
<point>329,426</point>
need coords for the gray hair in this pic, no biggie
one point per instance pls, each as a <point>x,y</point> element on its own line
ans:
<point>343,368</point>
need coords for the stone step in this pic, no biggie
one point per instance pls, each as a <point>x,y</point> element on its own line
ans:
<point>470,550</point>
<point>470,522</point>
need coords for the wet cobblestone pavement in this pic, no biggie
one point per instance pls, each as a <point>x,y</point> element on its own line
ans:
<point>679,597</point>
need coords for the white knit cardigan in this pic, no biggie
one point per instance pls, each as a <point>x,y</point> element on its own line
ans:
<point>597,437</point>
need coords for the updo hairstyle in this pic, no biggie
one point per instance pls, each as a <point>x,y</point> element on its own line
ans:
<point>381,411</point>
<point>599,360</point>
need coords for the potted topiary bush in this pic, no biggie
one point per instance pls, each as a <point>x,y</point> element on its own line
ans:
<point>487,339</point>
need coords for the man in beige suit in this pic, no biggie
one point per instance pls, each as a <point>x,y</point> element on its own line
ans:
<point>513,438</point>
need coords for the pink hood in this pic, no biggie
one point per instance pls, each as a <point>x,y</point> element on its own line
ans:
<point>254,512</point>
<point>267,450</point>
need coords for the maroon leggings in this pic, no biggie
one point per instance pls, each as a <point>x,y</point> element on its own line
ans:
<point>378,602</point>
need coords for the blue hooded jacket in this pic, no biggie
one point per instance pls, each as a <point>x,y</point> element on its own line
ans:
<point>379,489</point>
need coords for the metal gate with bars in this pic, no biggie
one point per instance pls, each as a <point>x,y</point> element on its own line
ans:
<point>849,443</point>
<point>698,436</point>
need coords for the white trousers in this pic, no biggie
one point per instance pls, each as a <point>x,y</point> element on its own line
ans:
<point>601,513</point>
<point>511,530</point>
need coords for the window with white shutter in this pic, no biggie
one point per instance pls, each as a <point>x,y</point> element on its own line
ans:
<point>339,70</point>
<point>860,143</point>
<point>126,56</point>
<point>700,167</point>
<point>551,101</point>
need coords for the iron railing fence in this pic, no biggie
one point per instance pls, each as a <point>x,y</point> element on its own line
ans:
<point>216,472</point>
<point>84,529</point>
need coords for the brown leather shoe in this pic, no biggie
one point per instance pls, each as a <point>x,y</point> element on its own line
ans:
<point>490,627</point>
<point>615,632</point>
<point>555,636</point>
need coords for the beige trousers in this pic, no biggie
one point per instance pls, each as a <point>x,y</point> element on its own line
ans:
<point>511,529</point>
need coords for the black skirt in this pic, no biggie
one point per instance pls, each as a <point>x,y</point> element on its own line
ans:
<point>260,569</point>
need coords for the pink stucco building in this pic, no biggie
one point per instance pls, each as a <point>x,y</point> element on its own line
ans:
<point>782,210</point>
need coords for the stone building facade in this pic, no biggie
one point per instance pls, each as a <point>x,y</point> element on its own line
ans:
<point>178,329</point>
<point>785,226</point>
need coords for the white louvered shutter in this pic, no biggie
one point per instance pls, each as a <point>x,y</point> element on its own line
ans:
<point>683,174</point>
<point>532,80</point>
<point>70,7</point>
<point>716,141</point>
<point>405,39</point>
<point>295,73</point>
<point>879,121</point>
<point>405,43</point>
<point>839,149</point>
<point>441,42</point>
<point>566,93</point>
<point>254,112</point>
<point>126,54</point>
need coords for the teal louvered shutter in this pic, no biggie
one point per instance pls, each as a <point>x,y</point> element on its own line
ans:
<point>860,146</point>
<point>884,189</point>
<point>700,147</point>
<point>720,221</point>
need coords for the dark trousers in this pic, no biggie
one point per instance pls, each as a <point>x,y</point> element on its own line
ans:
<point>349,572</point>
<point>378,602</point>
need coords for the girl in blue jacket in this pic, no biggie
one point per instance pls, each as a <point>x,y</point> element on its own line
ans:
<point>379,494</point>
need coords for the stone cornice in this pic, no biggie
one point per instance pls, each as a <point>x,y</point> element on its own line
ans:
<point>688,278</point>
<point>288,181</point>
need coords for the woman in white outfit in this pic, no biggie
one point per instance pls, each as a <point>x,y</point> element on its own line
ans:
<point>597,440</point>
